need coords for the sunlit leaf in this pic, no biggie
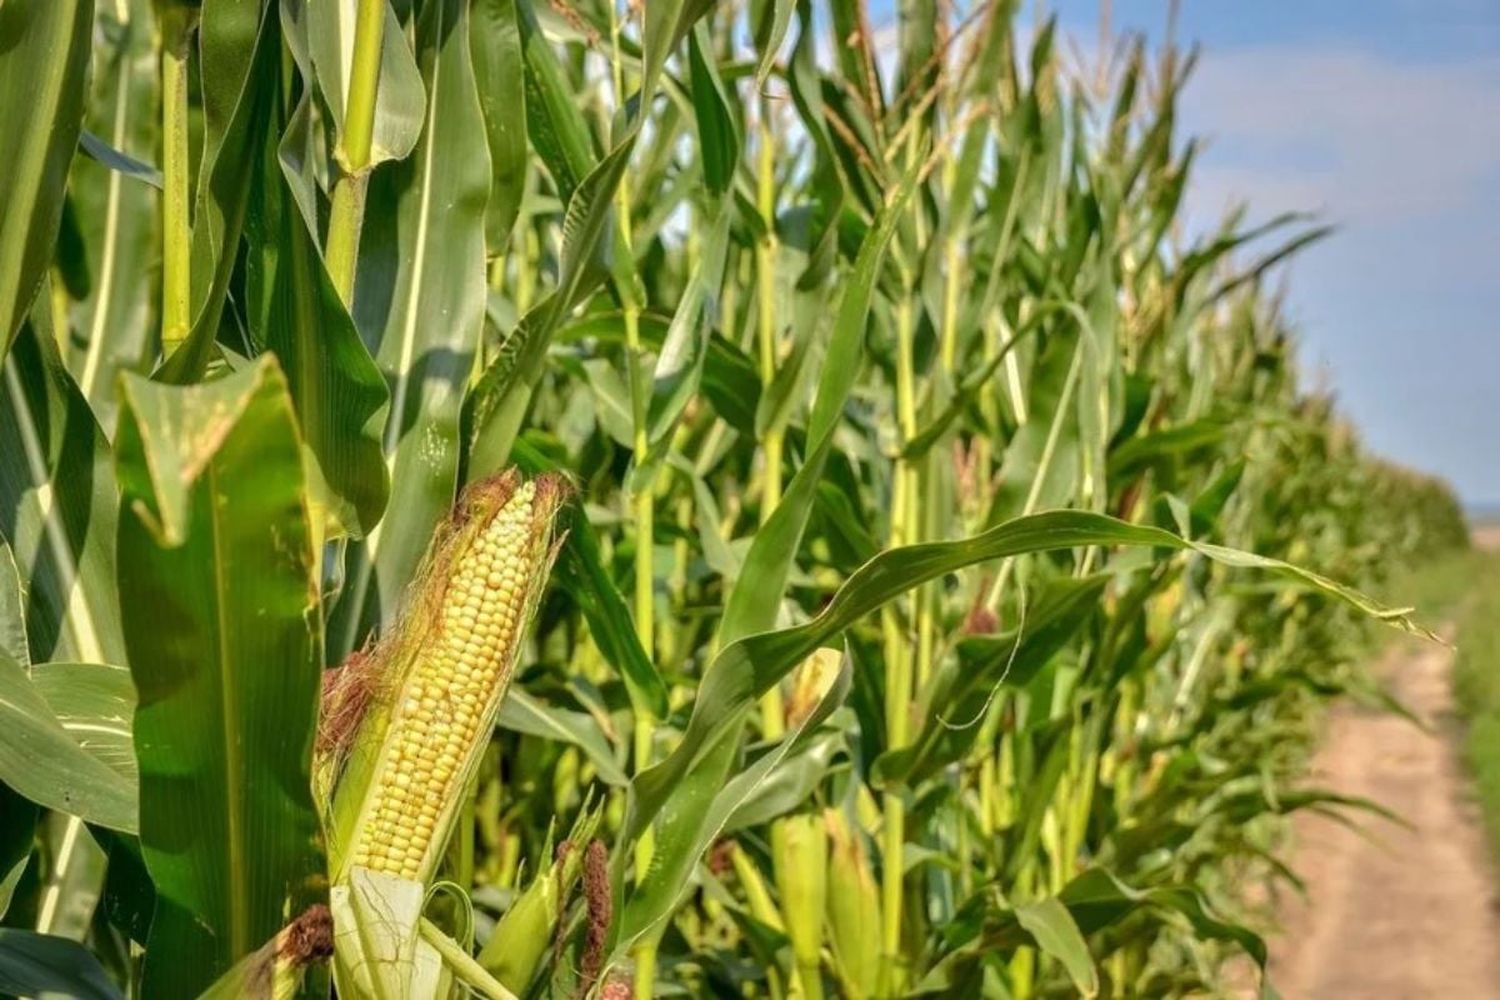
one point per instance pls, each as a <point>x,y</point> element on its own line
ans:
<point>44,61</point>
<point>217,557</point>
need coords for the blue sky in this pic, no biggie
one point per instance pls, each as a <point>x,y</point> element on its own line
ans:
<point>1384,117</point>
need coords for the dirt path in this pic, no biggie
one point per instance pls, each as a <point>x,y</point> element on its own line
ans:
<point>1394,913</point>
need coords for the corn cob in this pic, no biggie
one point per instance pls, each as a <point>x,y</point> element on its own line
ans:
<point>447,667</point>
<point>802,877</point>
<point>798,842</point>
<point>853,909</point>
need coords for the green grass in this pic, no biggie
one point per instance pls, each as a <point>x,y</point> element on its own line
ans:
<point>1477,682</point>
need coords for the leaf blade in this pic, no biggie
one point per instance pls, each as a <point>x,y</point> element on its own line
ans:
<point>217,552</point>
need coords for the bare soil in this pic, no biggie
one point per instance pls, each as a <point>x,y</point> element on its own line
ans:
<point>1487,535</point>
<point>1393,913</point>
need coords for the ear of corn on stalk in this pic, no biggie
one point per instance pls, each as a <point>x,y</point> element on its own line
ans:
<point>278,970</point>
<point>753,885</point>
<point>802,876</point>
<point>525,934</point>
<point>799,845</point>
<point>406,725</point>
<point>853,908</point>
<point>810,682</point>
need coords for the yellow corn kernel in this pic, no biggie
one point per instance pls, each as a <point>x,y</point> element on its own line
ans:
<point>457,644</point>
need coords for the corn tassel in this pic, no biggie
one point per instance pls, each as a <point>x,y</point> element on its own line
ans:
<point>424,700</point>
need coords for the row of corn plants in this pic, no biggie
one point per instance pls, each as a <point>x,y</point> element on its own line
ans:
<point>670,498</point>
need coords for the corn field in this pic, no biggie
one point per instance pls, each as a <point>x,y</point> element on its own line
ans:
<point>570,499</point>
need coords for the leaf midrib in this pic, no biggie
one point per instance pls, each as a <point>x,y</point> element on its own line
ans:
<point>235,779</point>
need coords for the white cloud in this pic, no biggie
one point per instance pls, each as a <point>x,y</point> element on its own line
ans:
<point>1361,137</point>
<point>1404,155</point>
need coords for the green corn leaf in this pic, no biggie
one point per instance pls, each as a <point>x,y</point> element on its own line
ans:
<point>753,601</point>
<point>420,296</point>
<point>708,798</point>
<point>18,821</point>
<point>217,555</point>
<point>718,137</point>
<point>44,965</point>
<point>791,783</point>
<point>729,383</point>
<point>933,432</point>
<point>522,713</point>
<point>400,102</point>
<point>45,762</point>
<point>501,397</point>
<point>684,349</point>
<point>1042,461</point>
<point>112,326</point>
<point>71,866</point>
<point>1097,899</point>
<point>64,537</point>
<point>1170,442</point>
<point>58,506</point>
<point>44,63</point>
<point>294,311</point>
<point>554,122</point>
<point>747,667</point>
<point>1051,926</point>
<point>13,644</point>
<point>500,74</point>
<point>963,687</point>
<point>94,703</point>
<point>116,159</point>
<point>18,815</point>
